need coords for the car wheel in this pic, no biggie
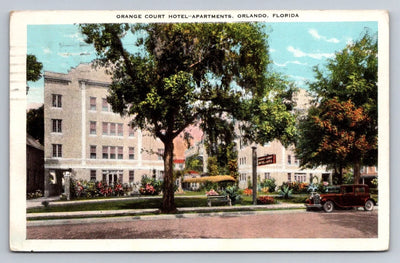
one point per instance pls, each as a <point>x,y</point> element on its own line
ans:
<point>328,206</point>
<point>369,205</point>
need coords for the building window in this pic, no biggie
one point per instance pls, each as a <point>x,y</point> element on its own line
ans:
<point>160,152</point>
<point>267,175</point>
<point>92,103</point>
<point>105,152</point>
<point>57,125</point>
<point>131,131</point>
<point>131,176</point>
<point>120,152</point>
<point>92,127</point>
<point>104,105</point>
<point>105,128</point>
<point>57,100</point>
<point>289,177</point>
<point>112,152</point>
<point>121,178</point>
<point>112,129</point>
<point>131,153</point>
<point>92,151</point>
<point>104,178</point>
<point>92,175</point>
<point>57,150</point>
<point>289,159</point>
<point>120,129</point>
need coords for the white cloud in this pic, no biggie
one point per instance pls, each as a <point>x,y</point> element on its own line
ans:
<point>75,36</point>
<point>314,33</point>
<point>271,50</point>
<point>47,50</point>
<point>290,62</point>
<point>69,54</point>
<point>298,53</point>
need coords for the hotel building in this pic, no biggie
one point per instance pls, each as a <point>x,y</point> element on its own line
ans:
<point>85,139</point>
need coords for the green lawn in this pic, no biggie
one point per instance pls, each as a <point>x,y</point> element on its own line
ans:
<point>141,203</point>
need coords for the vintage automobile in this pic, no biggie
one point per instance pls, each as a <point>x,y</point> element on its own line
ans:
<point>344,196</point>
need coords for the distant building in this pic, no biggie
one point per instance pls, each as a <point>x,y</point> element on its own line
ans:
<point>368,173</point>
<point>286,168</point>
<point>34,165</point>
<point>84,138</point>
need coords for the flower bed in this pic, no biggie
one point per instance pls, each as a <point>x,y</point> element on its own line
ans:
<point>248,191</point>
<point>91,189</point>
<point>263,200</point>
<point>212,192</point>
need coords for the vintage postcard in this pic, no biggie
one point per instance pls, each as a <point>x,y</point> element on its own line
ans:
<point>263,130</point>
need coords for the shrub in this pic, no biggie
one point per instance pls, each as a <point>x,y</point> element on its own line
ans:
<point>297,187</point>
<point>233,193</point>
<point>148,190</point>
<point>150,186</point>
<point>263,200</point>
<point>37,194</point>
<point>270,184</point>
<point>248,192</point>
<point>285,192</point>
<point>91,189</point>
<point>207,186</point>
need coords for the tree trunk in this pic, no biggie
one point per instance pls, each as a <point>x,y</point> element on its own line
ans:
<point>340,175</point>
<point>168,205</point>
<point>356,170</point>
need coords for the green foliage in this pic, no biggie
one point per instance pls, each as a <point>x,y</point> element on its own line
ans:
<point>375,182</point>
<point>233,169</point>
<point>270,183</point>
<point>296,187</point>
<point>341,129</point>
<point>194,163</point>
<point>33,68</point>
<point>37,194</point>
<point>150,186</point>
<point>207,186</point>
<point>285,192</point>
<point>233,193</point>
<point>212,166</point>
<point>348,178</point>
<point>35,123</point>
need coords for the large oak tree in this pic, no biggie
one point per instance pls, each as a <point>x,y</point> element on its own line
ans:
<point>175,75</point>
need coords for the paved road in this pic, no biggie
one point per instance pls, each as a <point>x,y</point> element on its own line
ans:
<point>272,224</point>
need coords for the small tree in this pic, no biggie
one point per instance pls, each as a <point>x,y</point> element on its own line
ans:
<point>33,69</point>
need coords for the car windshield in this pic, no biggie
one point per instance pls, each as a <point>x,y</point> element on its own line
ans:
<point>334,190</point>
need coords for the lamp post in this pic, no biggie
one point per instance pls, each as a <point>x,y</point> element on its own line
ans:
<point>254,165</point>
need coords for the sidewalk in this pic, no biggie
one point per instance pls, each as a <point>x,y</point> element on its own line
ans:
<point>80,217</point>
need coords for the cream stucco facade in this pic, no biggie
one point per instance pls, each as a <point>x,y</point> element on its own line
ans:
<point>84,138</point>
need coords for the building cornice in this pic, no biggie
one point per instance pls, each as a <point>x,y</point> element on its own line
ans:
<point>56,79</point>
<point>94,83</point>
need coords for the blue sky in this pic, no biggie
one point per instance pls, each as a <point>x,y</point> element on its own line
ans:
<point>295,48</point>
